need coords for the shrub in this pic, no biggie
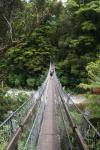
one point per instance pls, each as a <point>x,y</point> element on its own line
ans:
<point>30,82</point>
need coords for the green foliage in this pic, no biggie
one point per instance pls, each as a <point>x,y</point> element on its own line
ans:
<point>93,106</point>
<point>78,43</point>
<point>14,80</point>
<point>70,34</point>
<point>88,26</point>
<point>30,82</point>
<point>2,102</point>
<point>93,70</point>
<point>7,8</point>
<point>31,59</point>
<point>77,118</point>
<point>10,101</point>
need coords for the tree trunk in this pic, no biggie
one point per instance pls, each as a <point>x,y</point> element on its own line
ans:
<point>10,27</point>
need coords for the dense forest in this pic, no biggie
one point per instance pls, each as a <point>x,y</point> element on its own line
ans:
<point>32,33</point>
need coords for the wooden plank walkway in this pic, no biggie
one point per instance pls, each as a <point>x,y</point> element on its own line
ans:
<point>49,138</point>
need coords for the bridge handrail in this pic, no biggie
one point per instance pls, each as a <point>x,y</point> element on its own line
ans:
<point>31,140</point>
<point>13,113</point>
<point>24,123</point>
<point>7,131</point>
<point>82,113</point>
<point>37,119</point>
<point>63,120</point>
<point>94,134</point>
<point>79,137</point>
<point>20,107</point>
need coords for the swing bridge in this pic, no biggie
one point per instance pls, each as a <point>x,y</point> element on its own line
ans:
<point>49,121</point>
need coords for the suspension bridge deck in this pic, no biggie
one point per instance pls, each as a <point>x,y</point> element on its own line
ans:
<point>49,137</point>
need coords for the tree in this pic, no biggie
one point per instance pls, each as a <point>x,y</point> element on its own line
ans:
<point>78,40</point>
<point>7,10</point>
<point>93,70</point>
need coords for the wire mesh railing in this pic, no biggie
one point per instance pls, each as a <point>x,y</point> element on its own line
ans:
<point>67,128</point>
<point>24,134</point>
<point>62,124</point>
<point>89,133</point>
<point>34,133</point>
<point>10,126</point>
<point>12,123</point>
<point>32,139</point>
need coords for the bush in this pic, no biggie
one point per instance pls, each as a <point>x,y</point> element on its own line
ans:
<point>30,82</point>
<point>14,80</point>
<point>11,102</point>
